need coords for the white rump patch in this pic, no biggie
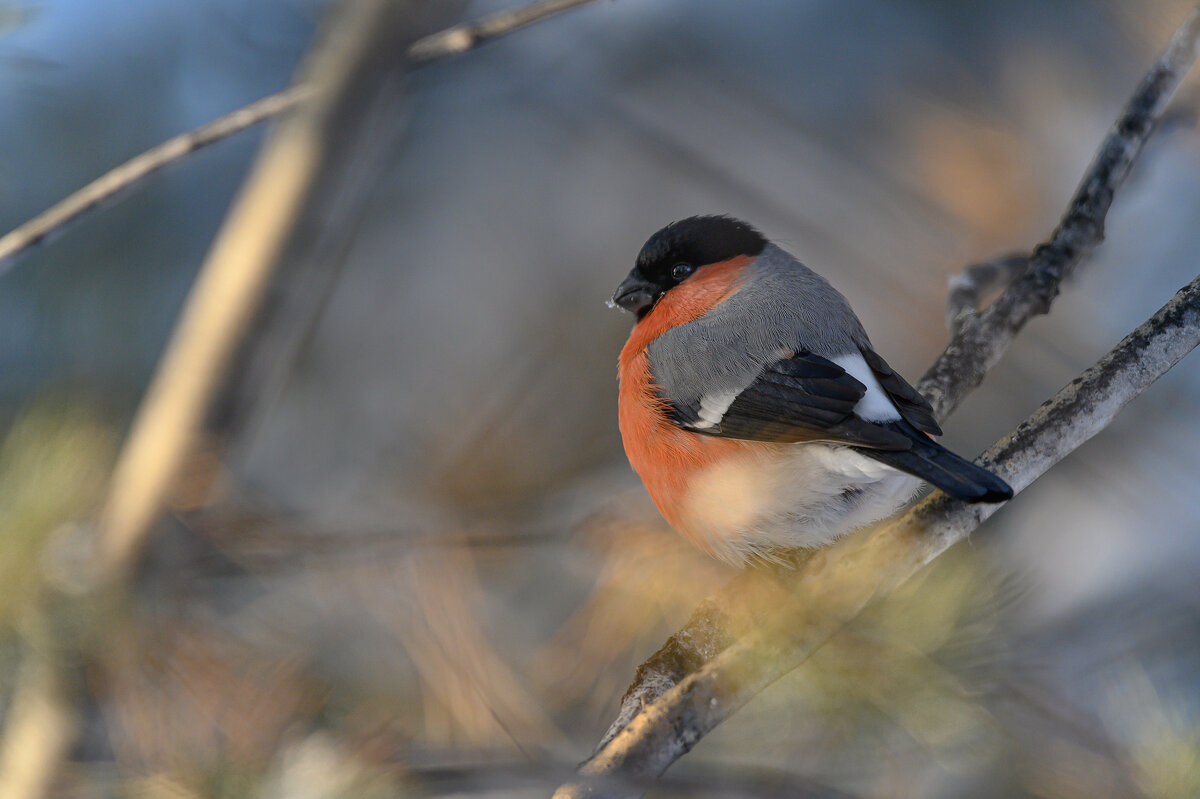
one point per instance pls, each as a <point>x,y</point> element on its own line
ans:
<point>875,406</point>
<point>713,407</point>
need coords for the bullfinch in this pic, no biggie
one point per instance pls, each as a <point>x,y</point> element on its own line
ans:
<point>754,407</point>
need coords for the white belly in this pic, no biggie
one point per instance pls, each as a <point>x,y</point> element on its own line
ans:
<point>788,497</point>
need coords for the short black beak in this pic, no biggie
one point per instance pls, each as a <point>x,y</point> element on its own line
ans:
<point>635,294</point>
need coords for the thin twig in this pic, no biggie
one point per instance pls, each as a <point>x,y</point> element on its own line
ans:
<point>837,584</point>
<point>967,289</point>
<point>111,183</point>
<point>470,35</point>
<point>968,356</point>
<point>452,41</point>
<point>341,75</point>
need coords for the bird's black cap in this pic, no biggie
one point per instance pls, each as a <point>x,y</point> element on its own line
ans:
<point>673,253</point>
<point>698,240</point>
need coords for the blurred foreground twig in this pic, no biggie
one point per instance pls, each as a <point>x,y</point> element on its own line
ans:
<point>40,725</point>
<point>980,341</point>
<point>340,74</point>
<point>218,310</point>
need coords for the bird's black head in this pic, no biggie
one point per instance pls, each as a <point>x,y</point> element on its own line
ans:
<point>674,253</point>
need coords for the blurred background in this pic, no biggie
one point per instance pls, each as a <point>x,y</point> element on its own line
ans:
<point>411,559</point>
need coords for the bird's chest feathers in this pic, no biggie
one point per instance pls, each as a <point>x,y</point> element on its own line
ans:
<point>665,456</point>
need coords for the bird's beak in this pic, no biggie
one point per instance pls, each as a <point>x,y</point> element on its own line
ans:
<point>634,295</point>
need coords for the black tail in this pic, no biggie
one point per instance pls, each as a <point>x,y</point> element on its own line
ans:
<point>939,466</point>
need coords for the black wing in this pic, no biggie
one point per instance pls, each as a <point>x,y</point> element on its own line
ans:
<point>810,398</point>
<point>801,398</point>
<point>912,406</point>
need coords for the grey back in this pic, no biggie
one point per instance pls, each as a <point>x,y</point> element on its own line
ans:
<point>782,307</point>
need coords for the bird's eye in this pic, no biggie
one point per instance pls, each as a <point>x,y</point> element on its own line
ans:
<point>680,271</point>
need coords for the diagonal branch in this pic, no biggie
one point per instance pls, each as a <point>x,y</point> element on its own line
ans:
<point>138,168</point>
<point>836,585</point>
<point>973,350</point>
<point>982,340</point>
<point>348,78</point>
<point>342,78</point>
<point>452,41</point>
<point>470,35</point>
<point>237,271</point>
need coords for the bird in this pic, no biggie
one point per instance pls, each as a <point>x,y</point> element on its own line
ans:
<point>754,407</point>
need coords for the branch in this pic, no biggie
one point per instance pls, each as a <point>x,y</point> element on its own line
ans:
<point>983,339</point>
<point>138,168</point>
<point>337,77</point>
<point>839,583</point>
<point>453,41</point>
<point>470,35</point>
<point>973,350</point>
<point>340,77</point>
<point>968,288</point>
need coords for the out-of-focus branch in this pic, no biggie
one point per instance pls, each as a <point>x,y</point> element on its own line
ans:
<point>834,587</point>
<point>725,617</point>
<point>453,41</point>
<point>237,270</point>
<point>470,35</point>
<point>350,80</point>
<point>346,68</point>
<point>40,724</point>
<point>128,174</point>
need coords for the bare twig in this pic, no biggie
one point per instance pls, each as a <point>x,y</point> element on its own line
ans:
<point>470,35</point>
<point>340,76</point>
<point>139,167</point>
<point>973,350</point>
<point>968,288</point>
<point>217,311</point>
<point>837,584</point>
<point>453,41</point>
